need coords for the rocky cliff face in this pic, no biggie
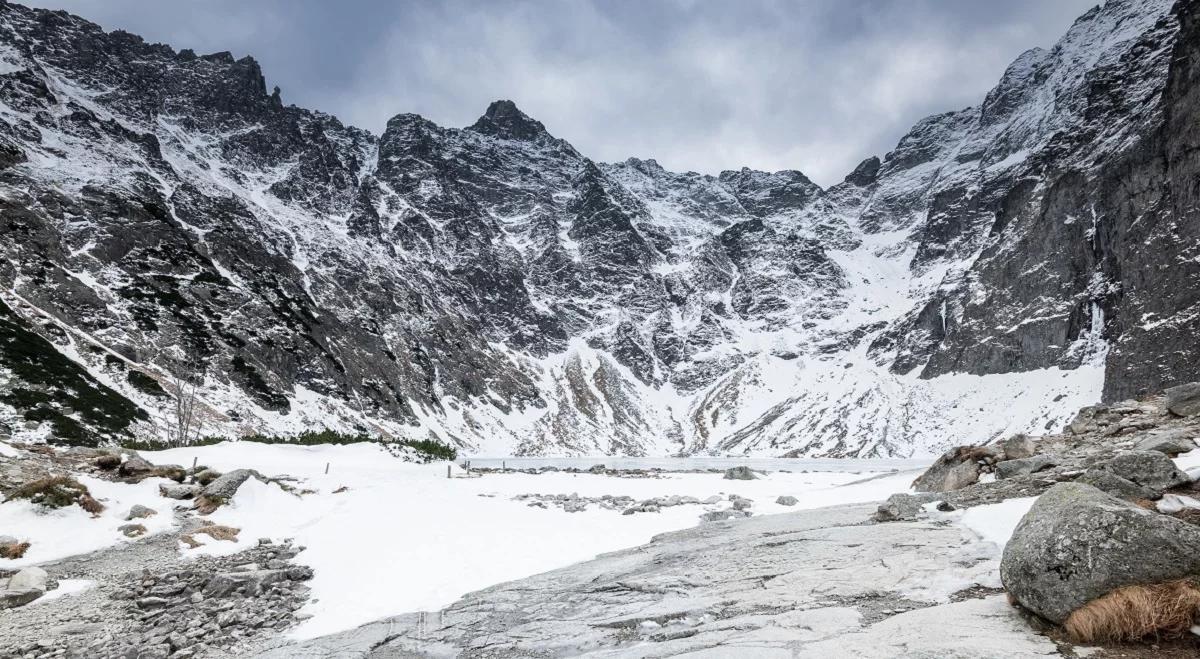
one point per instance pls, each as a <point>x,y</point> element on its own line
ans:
<point>493,287</point>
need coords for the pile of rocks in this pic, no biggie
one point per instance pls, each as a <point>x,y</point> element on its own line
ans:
<point>1096,553</point>
<point>20,587</point>
<point>573,503</point>
<point>1123,449</point>
<point>190,609</point>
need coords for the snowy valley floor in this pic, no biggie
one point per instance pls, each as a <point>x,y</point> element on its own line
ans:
<point>389,539</point>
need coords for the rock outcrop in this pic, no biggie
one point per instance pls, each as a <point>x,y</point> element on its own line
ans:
<point>491,284</point>
<point>1078,543</point>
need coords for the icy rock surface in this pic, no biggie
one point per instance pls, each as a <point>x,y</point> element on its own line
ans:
<point>492,287</point>
<point>810,584</point>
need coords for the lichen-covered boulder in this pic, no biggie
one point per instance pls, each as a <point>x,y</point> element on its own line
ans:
<point>1172,442</point>
<point>1184,400</point>
<point>955,469</point>
<point>1017,447</point>
<point>1149,468</point>
<point>1115,485</point>
<point>1077,543</point>
<point>1023,466</point>
<point>740,474</point>
<point>227,485</point>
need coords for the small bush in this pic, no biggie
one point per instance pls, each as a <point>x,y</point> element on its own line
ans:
<point>107,462</point>
<point>214,531</point>
<point>206,476</point>
<point>1135,612</point>
<point>57,492</point>
<point>13,549</point>
<point>431,449</point>
<point>173,472</point>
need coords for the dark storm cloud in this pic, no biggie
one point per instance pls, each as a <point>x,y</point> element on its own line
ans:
<point>814,85</point>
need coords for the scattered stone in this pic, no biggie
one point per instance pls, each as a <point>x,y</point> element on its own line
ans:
<point>11,598</point>
<point>711,500</point>
<point>1023,466</point>
<point>740,503</point>
<point>1018,446</point>
<point>178,491</point>
<point>899,506</point>
<point>1171,443</point>
<point>955,469</point>
<point>1077,543</point>
<point>946,507</point>
<point>1184,400</point>
<point>740,474</point>
<point>138,511</point>
<point>1149,468</point>
<point>136,466</point>
<point>787,500</point>
<point>1113,484</point>
<point>132,530</point>
<point>722,515</point>
<point>30,577</point>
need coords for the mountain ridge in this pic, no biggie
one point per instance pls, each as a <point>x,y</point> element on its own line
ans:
<point>492,287</point>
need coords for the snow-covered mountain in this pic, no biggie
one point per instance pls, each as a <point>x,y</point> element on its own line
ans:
<point>493,287</point>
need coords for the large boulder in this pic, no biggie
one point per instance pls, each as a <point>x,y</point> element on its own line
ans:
<point>136,466</point>
<point>30,577</point>
<point>1115,485</point>
<point>1148,468</point>
<point>1077,543</point>
<point>1184,400</point>
<point>900,506</point>
<point>1017,447</point>
<point>178,490</point>
<point>1023,466</point>
<point>1171,442</point>
<point>224,487</point>
<point>955,469</point>
<point>740,474</point>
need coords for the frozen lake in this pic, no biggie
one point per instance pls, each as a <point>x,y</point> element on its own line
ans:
<point>794,465</point>
<point>387,537</point>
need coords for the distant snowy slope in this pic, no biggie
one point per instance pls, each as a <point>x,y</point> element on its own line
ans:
<point>492,287</point>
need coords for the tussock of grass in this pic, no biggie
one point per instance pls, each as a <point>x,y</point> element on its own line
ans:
<point>214,531</point>
<point>57,492</point>
<point>107,462</point>
<point>13,549</point>
<point>206,504</point>
<point>1136,612</point>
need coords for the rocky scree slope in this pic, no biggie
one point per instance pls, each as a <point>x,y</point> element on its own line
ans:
<point>492,287</point>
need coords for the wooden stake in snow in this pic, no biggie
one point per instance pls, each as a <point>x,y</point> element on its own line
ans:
<point>447,471</point>
<point>326,467</point>
<point>194,459</point>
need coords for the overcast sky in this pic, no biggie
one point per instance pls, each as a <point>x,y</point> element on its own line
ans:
<point>704,85</point>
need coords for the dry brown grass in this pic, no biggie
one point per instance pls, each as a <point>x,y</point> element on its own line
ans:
<point>57,492</point>
<point>207,504</point>
<point>214,531</point>
<point>107,462</point>
<point>13,549</point>
<point>89,504</point>
<point>1165,610</point>
<point>1147,504</point>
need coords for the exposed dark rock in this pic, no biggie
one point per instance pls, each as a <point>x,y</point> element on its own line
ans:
<point>1078,543</point>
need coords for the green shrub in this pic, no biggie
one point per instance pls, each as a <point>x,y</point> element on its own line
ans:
<point>431,449</point>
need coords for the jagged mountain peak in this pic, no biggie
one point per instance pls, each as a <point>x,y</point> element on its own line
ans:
<point>504,119</point>
<point>492,287</point>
